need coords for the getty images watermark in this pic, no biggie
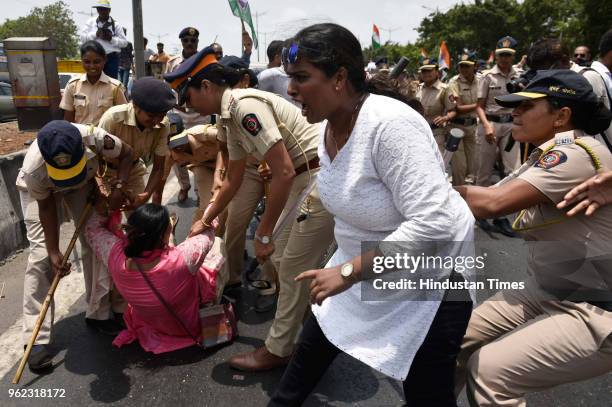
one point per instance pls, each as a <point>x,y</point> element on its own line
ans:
<point>422,271</point>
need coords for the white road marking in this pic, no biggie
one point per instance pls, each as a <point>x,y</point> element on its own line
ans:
<point>70,289</point>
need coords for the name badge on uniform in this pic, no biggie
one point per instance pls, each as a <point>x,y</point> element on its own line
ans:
<point>564,138</point>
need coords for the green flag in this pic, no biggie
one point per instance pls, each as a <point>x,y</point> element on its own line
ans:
<point>241,9</point>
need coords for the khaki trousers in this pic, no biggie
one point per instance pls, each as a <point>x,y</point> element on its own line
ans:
<point>240,213</point>
<point>182,175</point>
<point>39,274</point>
<point>440,136</point>
<point>524,341</point>
<point>463,161</point>
<point>299,247</point>
<point>101,277</point>
<point>487,153</point>
<point>204,177</point>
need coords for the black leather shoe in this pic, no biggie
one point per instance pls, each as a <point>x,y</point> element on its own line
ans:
<point>503,226</point>
<point>104,326</point>
<point>40,358</point>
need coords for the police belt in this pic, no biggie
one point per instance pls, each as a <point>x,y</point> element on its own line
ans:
<point>312,164</point>
<point>500,118</point>
<point>464,121</point>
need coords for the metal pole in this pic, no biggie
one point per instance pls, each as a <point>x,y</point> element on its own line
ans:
<point>138,41</point>
<point>257,31</point>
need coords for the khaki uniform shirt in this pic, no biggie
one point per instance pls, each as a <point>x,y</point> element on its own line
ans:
<point>33,175</point>
<point>190,117</point>
<point>493,84</point>
<point>250,126</point>
<point>459,89</point>
<point>163,57</point>
<point>121,121</point>
<point>89,101</point>
<point>554,172</point>
<point>432,98</point>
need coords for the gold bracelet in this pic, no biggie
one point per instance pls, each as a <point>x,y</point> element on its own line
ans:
<point>206,225</point>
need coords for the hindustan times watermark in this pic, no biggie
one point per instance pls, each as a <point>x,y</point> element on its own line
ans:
<point>422,271</point>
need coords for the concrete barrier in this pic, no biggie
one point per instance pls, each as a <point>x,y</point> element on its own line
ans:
<point>12,228</point>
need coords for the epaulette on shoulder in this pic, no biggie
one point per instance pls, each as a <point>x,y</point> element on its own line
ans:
<point>115,82</point>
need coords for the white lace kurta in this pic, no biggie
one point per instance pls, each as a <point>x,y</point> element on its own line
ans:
<point>386,184</point>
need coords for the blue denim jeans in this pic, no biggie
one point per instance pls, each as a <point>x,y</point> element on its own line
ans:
<point>124,76</point>
<point>111,68</point>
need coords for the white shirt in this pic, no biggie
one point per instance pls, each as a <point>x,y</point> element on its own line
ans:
<point>387,184</point>
<point>605,74</point>
<point>88,33</point>
<point>275,80</point>
<point>597,79</point>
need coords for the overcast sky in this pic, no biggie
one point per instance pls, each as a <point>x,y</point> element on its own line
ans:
<point>278,19</point>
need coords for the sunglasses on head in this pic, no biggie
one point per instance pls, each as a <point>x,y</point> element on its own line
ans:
<point>289,55</point>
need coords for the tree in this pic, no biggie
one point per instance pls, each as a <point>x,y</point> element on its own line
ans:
<point>54,21</point>
<point>478,26</point>
<point>394,51</point>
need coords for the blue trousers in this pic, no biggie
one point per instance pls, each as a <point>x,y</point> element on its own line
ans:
<point>111,68</point>
<point>124,76</point>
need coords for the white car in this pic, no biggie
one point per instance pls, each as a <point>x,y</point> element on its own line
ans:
<point>7,106</point>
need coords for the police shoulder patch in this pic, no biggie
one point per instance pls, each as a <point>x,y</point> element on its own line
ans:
<point>250,122</point>
<point>551,159</point>
<point>109,143</point>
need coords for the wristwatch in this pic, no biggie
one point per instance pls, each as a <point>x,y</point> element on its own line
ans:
<point>263,239</point>
<point>346,271</point>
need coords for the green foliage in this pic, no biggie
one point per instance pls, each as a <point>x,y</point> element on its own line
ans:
<point>54,21</point>
<point>478,26</point>
<point>394,51</point>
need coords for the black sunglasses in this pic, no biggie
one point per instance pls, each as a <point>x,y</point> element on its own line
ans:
<point>189,40</point>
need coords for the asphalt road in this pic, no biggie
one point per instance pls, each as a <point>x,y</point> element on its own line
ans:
<point>90,371</point>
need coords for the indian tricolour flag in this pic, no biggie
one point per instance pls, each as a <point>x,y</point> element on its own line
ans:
<point>375,38</point>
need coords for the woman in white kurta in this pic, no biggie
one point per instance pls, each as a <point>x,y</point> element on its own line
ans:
<point>382,178</point>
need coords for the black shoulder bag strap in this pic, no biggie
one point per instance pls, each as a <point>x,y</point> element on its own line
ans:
<point>166,305</point>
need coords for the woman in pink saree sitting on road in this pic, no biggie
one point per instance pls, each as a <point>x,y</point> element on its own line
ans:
<point>184,275</point>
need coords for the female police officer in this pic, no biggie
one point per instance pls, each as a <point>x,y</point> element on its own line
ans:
<point>557,333</point>
<point>269,128</point>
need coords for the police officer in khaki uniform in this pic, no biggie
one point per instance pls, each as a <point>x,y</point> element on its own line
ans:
<point>559,327</point>
<point>431,94</point>
<point>494,136</point>
<point>143,125</point>
<point>462,105</point>
<point>242,207</point>
<point>269,128</point>
<point>57,172</point>
<point>189,37</point>
<point>87,97</point>
<point>195,149</point>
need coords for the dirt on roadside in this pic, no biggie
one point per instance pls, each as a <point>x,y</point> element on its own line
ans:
<point>12,139</point>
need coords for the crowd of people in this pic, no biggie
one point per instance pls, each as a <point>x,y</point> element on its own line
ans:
<point>342,153</point>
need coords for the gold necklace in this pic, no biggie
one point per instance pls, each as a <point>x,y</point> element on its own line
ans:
<point>352,124</point>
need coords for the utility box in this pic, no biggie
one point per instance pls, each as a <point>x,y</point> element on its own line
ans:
<point>33,72</point>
